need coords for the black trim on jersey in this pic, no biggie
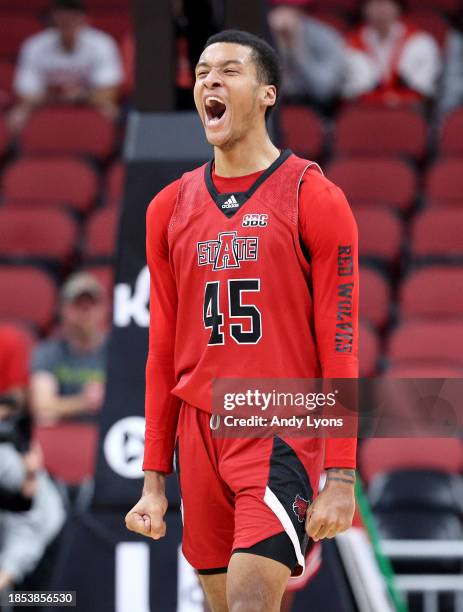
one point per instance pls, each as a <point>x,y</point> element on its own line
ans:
<point>240,197</point>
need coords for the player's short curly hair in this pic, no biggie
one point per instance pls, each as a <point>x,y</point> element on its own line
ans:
<point>264,55</point>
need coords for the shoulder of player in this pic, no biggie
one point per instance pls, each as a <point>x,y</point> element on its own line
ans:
<point>163,203</point>
<point>318,191</point>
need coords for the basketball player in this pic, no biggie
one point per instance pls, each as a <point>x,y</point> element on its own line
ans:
<point>250,257</point>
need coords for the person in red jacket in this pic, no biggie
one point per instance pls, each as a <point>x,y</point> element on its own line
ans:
<point>253,267</point>
<point>389,60</point>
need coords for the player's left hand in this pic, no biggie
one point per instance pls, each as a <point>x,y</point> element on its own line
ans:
<point>333,510</point>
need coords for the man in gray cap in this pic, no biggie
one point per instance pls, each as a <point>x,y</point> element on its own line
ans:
<point>68,372</point>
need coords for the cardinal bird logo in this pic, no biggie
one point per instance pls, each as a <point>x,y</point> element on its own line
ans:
<point>300,506</point>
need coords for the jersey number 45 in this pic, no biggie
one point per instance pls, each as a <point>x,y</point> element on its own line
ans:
<point>213,317</point>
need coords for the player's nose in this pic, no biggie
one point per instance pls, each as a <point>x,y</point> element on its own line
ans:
<point>212,79</point>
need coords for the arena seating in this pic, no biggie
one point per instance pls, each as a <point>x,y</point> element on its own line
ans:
<point>114,184</point>
<point>375,297</point>
<point>302,131</point>
<point>4,139</point>
<point>369,349</point>
<point>100,234</point>
<point>15,28</point>
<point>28,296</point>
<point>25,234</point>
<point>68,131</point>
<point>368,181</point>
<point>46,181</point>
<point>6,84</point>
<point>59,444</point>
<point>437,235</point>
<point>380,233</point>
<point>431,21</point>
<point>447,6</point>
<point>436,341</point>
<point>415,486</point>
<point>376,130</point>
<point>435,292</point>
<point>451,134</point>
<point>444,182</point>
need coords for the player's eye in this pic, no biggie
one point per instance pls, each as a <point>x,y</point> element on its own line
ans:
<point>230,71</point>
<point>201,74</point>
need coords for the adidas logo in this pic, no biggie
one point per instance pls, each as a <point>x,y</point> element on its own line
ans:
<point>230,203</point>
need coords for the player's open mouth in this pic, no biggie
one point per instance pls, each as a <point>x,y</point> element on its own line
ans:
<point>215,111</point>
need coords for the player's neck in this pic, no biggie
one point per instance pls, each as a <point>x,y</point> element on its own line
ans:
<point>247,156</point>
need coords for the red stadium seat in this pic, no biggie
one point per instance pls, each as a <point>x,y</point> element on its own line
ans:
<point>28,295</point>
<point>375,182</point>
<point>45,234</point>
<point>376,130</point>
<point>50,181</point>
<point>4,137</point>
<point>114,184</point>
<point>302,131</point>
<point>15,29</point>
<point>6,83</point>
<point>449,6</point>
<point>32,6</point>
<point>69,450</point>
<point>434,291</point>
<point>444,182</point>
<point>100,234</point>
<point>368,350</point>
<point>380,233</point>
<point>380,455</point>
<point>432,22</point>
<point>374,297</point>
<point>115,23</point>
<point>451,134</point>
<point>75,131</point>
<point>427,341</point>
<point>438,234</point>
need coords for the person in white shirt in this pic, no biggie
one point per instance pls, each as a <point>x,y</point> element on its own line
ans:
<point>389,60</point>
<point>68,63</point>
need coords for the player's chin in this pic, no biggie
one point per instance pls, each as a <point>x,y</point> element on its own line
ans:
<point>217,138</point>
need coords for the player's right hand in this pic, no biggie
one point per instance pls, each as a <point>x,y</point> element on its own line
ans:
<point>147,516</point>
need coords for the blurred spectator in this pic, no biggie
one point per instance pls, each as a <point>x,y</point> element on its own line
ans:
<point>311,53</point>
<point>69,63</point>
<point>389,60</point>
<point>452,81</point>
<point>68,373</point>
<point>31,511</point>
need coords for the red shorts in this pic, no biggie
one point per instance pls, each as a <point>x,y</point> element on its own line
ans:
<point>237,492</point>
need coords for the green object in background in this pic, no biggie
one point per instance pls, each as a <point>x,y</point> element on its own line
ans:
<point>383,562</point>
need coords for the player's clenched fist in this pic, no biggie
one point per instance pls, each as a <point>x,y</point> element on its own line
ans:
<point>333,510</point>
<point>147,516</point>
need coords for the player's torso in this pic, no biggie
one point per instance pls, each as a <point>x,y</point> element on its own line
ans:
<point>245,307</point>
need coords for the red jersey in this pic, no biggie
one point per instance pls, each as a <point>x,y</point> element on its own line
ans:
<point>14,356</point>
<point>247,277</point>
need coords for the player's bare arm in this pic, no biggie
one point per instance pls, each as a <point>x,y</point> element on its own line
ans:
<point>333,510</point>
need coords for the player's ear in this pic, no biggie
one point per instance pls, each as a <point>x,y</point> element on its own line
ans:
<point>269,95</point>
